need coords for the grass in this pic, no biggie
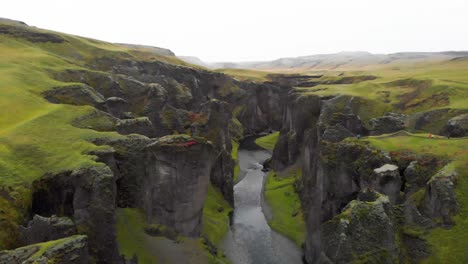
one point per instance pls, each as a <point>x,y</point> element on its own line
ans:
<point>246,75</point>
<point>268,142</point>
<point>447,245</point>
<point>234,156</point>
<point>287,216</point>
<point>215,216</point>
<point>133,240</point>
<point>36,136</point>
<point>131,237</point>
<point>432,85</point>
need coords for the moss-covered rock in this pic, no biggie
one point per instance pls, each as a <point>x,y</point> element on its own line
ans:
<point>70,250</point>
<point>363,233</point>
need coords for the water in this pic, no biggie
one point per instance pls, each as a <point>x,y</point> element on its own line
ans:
<point>250,239</point>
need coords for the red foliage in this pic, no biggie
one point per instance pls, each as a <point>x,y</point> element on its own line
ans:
<point>187,144</point>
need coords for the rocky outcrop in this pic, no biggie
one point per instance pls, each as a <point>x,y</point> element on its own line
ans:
<point>301,114</point>
<point>70,250</point>
<point>351,192</point>
<point>178,173</point>
<point>141,125</point>
<point>457,126</point>
<point>363,231</point>
<point>117,107</point>
<point>216,129</point>
<point>440,202</point>
<point>87,195</point>
<point>75,95</point>
<point>386,180</point>
<point>388,123</point>
<point>42,229</point>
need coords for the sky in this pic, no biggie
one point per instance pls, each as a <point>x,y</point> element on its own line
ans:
<point>252,30</point>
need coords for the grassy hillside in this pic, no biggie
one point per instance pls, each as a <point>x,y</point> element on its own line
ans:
<point>36,136</point>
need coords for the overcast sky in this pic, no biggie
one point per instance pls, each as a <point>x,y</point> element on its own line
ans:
<point>246,30</point>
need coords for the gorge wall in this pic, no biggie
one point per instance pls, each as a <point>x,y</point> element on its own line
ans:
<point>360,203</point>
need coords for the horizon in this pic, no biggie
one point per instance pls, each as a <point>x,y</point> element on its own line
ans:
<point>245,32</point>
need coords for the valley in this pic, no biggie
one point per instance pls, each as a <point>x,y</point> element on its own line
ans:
<point>118,153</point>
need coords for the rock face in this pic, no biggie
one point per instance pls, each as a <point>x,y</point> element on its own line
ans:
<point>216,129</point>
<point>386,180</point>
<point>75,95</point>
<point>42,229</point>
<point>457,126</point>
<point>364,231</point>
<point>117,106</point>
<point>440,201</point>
<point>141,125</point>
<point>389,123</point>
<point>87,195</point>
<point>178,174</point>
<point>70,250</point>
<point>355,197</point>
<point>300,115</point>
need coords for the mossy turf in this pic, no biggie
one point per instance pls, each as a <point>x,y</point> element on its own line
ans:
<point>131,236</point>
<point>36,136</point>
<point>281,197</point>
<point>246,75</point>
<point>215,216</point>
<point>134,241</point>
<point>448,245</point>
<point>268,142</point>
<point>235,157</point>
<point>399,87</point>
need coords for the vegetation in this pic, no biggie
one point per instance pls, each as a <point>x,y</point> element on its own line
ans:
<point>287,216</point>
<point>36,136</point>
<point>215,216</point>
<point>247,75</point>
<point>134,241</point>
<point>234,156</point>
<point>447,245</point>
<point>268,142</point>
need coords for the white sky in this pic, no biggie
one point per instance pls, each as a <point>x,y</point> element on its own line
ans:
<point>246,30</point>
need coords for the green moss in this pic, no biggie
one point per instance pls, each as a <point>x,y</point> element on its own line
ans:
<point>377,256</point>
<point>447,245</point>
<point>131,236</point>
<point>133,239</point>
<point>269,141</point>
<point>234,156</point>
<point>287,215</point>
<point>215,216</point>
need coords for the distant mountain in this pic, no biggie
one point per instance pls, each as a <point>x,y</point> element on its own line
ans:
<point>195,60</point>
<point>341,60</point>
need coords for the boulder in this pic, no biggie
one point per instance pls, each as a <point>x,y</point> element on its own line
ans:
<point>386,180</point>
<point>141,125</point>
<point>69,250</point>
<point>388,123</point>
<point>42,229</point>
<point>457,126</point>
<point>77,94</point>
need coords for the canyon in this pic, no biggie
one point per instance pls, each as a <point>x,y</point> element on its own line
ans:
<point>117,153</point>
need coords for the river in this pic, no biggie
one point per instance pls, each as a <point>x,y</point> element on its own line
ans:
<point>250,239</point>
